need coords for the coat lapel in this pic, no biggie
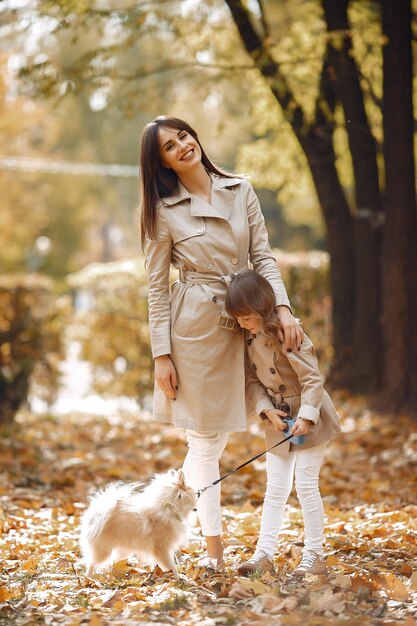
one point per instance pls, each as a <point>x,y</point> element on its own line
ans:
<point>222,199</point>
<point>182,194</point>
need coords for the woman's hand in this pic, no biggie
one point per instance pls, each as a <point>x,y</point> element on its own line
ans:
<point>301,427</point>
<point>274,416</point>
<point>166,375</point>
<point>290,332</point>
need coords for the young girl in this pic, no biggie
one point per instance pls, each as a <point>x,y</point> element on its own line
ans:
<point>281,382</point>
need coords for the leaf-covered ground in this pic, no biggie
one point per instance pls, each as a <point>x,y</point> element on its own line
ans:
<point>369,484</point>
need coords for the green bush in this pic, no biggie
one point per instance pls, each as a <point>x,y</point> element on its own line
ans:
<point>31,348</point>
<point>112,327</point>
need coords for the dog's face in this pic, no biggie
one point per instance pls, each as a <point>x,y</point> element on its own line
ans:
<point>185,498</point>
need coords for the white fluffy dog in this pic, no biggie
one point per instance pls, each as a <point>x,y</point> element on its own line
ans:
<point>152,524</point>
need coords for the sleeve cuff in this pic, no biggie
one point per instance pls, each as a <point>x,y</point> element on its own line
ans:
<point>161,349</point>
<point>286,303</point>
<point>263,405</point>
<point>309,412</point>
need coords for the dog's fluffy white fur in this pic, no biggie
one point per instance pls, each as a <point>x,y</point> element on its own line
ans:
<point>151,524</point>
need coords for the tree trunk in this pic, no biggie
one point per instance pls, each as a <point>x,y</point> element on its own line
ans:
<point>316,140</point>
<point>400,232</point>
<point>341,249</point>
<point>13,393</point>
<point>343,78</point>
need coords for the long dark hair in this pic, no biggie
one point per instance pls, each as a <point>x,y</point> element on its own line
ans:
<point>158,182</point>
<point>250,293</point>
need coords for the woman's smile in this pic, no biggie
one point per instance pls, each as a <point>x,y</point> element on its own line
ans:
<point>178,149</point>
<point>188,155</point>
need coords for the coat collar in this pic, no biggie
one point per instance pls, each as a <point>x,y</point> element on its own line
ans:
<point>222,198</point>
<point>182,194</point>
<point>225,181</point>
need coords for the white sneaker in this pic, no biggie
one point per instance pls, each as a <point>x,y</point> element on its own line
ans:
<point>260,562</point>
<point>211,564</point>
<point>311,563</point>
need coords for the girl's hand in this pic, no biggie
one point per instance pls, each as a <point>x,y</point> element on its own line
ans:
<point>166,375</point>
<point>301,427</point>
<point>274,416</point>
<point>290,332</point>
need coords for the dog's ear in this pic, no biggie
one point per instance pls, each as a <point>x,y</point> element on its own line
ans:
<point>181,477</point>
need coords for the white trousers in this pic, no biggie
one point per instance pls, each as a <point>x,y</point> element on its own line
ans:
<point>280,470</point>
<point>201,468</point>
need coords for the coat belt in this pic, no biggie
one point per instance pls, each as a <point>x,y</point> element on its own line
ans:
<point>201,278</point>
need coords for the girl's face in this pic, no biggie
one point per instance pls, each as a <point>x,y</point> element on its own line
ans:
<point>178,149</point>
<point>252,322</point>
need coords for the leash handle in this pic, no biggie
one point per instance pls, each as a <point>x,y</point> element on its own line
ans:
<point>216,482</point>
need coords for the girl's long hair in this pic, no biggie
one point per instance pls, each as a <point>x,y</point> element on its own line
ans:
<point>158,182</point>
<point>250,293</point>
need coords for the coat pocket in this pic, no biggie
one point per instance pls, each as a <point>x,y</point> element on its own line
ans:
<point>192,315</point>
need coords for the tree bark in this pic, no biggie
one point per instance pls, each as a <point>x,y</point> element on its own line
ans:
<point>400,231</point>
<point>316,140</point>
<point>321,159</point>
<point>343,78</point>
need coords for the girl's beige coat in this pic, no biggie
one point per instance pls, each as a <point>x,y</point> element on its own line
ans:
<point>215,240</point>
<point>273,376</point>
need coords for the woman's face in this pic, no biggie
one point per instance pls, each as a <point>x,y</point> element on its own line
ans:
<point>252,323</point>
<point>178,149</point>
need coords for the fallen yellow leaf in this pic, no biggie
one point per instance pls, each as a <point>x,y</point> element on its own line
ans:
<point>332,560</point>
<point>239,592</point>
<point>5,594</point>
<point>31,564</point>
<point>120,568</point>
<point>413,580</point>
<point>257,586</point>
<point>395,588</point>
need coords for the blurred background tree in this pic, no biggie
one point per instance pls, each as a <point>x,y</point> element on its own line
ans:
<point>31,345</point>
<point>289,92</point>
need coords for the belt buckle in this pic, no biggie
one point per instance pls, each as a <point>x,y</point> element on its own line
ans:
<point>226,322</point>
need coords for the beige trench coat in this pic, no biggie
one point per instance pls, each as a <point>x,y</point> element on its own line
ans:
<point>207,243</point>
<point>274,376</point>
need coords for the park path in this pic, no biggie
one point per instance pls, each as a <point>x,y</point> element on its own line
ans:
<point>75,394</point>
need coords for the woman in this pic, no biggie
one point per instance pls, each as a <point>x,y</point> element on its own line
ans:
<point>208,225</point>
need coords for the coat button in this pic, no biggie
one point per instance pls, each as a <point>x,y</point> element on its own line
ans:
<point>209,266</point>
<point>200,230</point>
<point>271,369</point>
<point>249,341</point>
<point>282,388</point>
<point>214,298</point>
<point>234,261</point>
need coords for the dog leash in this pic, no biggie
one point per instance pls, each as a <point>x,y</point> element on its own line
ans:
<point>216,482</point>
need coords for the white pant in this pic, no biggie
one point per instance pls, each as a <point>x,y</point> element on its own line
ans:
<point>201,468</point>
<point>280,475</point>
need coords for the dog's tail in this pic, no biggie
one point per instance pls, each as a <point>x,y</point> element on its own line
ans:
<point>102,503</point>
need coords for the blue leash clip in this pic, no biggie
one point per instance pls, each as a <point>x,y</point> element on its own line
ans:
<point>299,439</point>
